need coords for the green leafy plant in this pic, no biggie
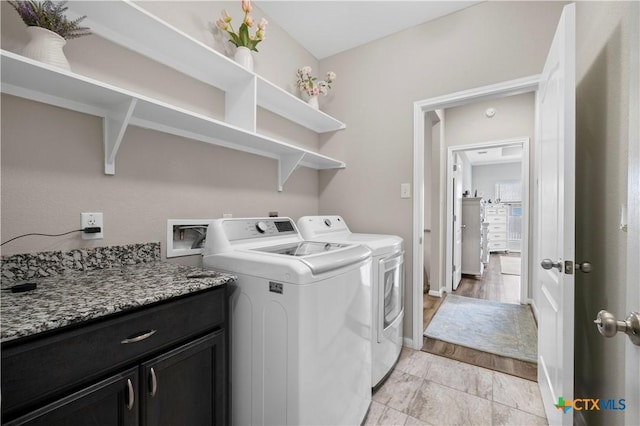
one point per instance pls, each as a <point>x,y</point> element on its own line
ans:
<point>50,15</point>
<point>242,38</point>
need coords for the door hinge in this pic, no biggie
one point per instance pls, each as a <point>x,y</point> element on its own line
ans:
<point>454,268</point>
<point>568,267</point>
<point>455,167</point>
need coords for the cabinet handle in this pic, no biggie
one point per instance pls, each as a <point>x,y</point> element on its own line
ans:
<point>136,338</point>
<point>132,396</point>
<point>153,382</point>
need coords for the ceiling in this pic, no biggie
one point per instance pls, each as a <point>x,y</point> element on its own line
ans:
<point>328,27</point>
<point>507,154</point>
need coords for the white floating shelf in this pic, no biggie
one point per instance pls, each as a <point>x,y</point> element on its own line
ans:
<point>132,27</point>
<point>277,100</point>
<point>30,79</point>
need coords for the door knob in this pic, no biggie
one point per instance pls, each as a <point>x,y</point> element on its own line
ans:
<point>608,326</point>
<point>584,267</point>
<point>548,264</point>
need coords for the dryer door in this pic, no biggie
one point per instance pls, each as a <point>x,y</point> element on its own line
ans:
<point>391,292</point>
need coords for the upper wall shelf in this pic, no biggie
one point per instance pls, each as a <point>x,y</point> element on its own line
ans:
<point>119,108</point>
<point>274,99</point>
<point>129,25</point>
<point>132,27</point>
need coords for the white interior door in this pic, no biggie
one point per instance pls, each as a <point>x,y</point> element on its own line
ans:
<point>556,213</point>
<point>457,222</point>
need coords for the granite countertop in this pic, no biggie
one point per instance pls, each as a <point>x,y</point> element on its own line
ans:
<point>75,296</point>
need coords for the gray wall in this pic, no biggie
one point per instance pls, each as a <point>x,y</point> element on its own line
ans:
<point>602,129</point>
<point>484,44</point>
<point>52,159</point>
<point>485,178</point>
<point>514,118</point>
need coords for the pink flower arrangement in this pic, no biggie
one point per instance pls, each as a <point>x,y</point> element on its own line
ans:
<point>310,85</point>
<point>242,38</point>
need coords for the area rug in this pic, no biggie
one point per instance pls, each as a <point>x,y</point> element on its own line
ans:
<point>510,265</point>
<point>503,329</point>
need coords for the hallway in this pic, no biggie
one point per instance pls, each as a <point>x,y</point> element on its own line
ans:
<point>494,285</point>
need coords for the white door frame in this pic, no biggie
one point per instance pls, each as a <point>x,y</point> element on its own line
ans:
<point>524,175</point>
<point>632,352</point>
<point>455,199</point>
<point>420,108</point>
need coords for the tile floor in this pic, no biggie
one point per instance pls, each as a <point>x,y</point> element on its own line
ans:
<point>427,389</point>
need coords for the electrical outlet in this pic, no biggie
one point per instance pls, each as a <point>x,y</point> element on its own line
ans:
<point>91,220</point>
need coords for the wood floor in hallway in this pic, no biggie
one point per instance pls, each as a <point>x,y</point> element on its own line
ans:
<point>492,286</point>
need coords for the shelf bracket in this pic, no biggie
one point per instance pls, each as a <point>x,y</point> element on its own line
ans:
<point>286,165</point>
<point>114,125</point>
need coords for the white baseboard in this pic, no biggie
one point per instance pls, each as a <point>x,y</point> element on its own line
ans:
<point>409,343</point>
<point>534,308</point>
<point>436,293</point>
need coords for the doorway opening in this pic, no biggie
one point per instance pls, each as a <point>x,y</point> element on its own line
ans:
<point>431,237</point>
<point>488,220</point>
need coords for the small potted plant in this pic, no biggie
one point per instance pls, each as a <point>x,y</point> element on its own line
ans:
<point>310,87</point>
<point>244,41</point>
<point>49,29</point>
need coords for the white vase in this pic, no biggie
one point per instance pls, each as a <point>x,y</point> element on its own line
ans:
<point>46,46</point>
<point>244,57</point>
<point>313,101</point>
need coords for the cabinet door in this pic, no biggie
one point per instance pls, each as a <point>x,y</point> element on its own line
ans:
<point>188,385</point>
<point>111,402</point>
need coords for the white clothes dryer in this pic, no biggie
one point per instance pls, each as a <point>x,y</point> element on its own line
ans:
<point>387,277</point>
<point>300,323</point>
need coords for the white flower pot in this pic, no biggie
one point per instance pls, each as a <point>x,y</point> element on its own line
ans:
<point>313,101</point>
<point>310,99</point>
<point>244,57</point>
<point>46,46</point>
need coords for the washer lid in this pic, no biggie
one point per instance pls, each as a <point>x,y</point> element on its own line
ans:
<point>303,248</point>
<point>380,244</point>
<point>319,257</point>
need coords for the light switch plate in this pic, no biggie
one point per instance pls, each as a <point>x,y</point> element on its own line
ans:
<point>405,190</point>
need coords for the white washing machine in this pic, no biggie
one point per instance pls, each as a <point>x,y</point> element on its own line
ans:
<point>387,285</point>
<point>300,323</point>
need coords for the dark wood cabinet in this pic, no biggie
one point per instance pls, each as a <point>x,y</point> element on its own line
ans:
<point>186,386</point>
<point>112,401</point>
<point>176,375</point>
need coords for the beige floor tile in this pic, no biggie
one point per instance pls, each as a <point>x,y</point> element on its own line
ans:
<point>412,421</point>
<point>384,416</point>
<point>464,377</point>
<point>507,416</point>
<point>414,362</point>
<point>517,393</point>
<point>398,390</point>
<point>441,405</point>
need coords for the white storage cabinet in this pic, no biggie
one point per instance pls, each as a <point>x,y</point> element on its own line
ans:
<point>497,215</point>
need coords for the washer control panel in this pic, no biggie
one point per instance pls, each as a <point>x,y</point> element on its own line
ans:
<point>314,226</point>
<point>240,229</point>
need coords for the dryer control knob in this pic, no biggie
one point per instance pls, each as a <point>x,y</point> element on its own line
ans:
<point>261,227</point>
<point>327,222</point>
